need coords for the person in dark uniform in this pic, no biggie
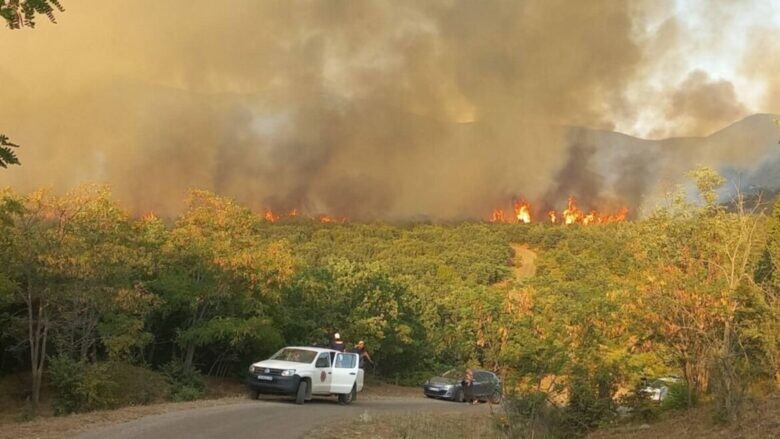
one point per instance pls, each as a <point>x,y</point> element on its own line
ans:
<point>360,349</point>
<point>337,344</point>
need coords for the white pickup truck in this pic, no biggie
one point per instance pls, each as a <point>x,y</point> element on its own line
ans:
<point>307,371</point>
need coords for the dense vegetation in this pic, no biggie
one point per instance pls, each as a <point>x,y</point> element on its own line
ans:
<point>692,290</point>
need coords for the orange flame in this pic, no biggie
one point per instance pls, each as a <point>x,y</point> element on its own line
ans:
<point>497,216</point>
<point>553,216</point>
<point>571,214</point>
<point>523,212</point>
<point>270,216</point>
<point>293,213</point>
<point>150,216</point>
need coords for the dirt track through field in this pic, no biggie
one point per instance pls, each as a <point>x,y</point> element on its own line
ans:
<point>525,261</point>
<point>267,419</point>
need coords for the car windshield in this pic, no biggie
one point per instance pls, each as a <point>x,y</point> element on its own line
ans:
<point>657,384</point>
<point>295,355</point>
<point>454,373</point>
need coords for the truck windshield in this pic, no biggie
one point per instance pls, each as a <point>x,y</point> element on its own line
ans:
<point>295,355</point>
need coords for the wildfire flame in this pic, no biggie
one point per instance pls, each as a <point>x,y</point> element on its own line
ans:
<point>571,215</point>
<point>497,216</point>
<point>270,216</point>
<point>522,212</point>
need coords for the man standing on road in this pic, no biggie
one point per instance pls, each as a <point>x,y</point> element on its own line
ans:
<point>360,349</point>
<point>337,344</point>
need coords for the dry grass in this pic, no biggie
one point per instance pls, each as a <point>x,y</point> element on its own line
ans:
<point>412,426</point>
<point>761,419</point>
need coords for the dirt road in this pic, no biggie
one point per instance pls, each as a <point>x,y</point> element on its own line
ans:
<point>270,418</point>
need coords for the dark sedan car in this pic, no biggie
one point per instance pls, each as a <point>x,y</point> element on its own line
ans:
<point>449,385</point>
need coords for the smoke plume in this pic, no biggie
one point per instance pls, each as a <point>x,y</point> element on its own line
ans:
<point>370,110</point>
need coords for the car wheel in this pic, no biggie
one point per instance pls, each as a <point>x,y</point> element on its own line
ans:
<point>428,396</point>
<point>300,397</point>
<point>458,396</point>
<point>495,398</point>
<point>347,398</point>
<point>254,394</point>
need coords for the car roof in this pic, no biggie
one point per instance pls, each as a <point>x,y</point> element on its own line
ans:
<point>313,349</point>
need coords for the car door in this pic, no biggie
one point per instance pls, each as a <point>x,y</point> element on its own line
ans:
<point>322,377</point>
<point>345,371</point>
<point>481,384</point>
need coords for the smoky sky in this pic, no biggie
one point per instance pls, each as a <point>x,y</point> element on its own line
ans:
<point>370,110</point>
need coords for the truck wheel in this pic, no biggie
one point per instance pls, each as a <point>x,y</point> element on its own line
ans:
<point>347,398</point>
<point>300,397</point>
<point>254,394</point>
<point>459,396</point>
<point>495,398</point>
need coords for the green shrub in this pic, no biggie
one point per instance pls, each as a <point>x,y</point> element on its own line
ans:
<point>185,393</point>
<point>641,407</point>
<point>186,384</point>
<point>531,415</point>
<point>587,409</point>
<point>677,397</point>
<point>137,385</point>
<point>78,386</point>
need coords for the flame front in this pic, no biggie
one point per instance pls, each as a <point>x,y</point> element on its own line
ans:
<point>523,212</point>
<point>497,216</point>
<point>570,215</point>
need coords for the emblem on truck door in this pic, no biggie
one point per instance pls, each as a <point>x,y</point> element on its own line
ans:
<point>322,376</point>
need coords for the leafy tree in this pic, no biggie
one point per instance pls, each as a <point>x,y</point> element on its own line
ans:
<point>217,281</point>
<point>22,13</point>
<point>7,155</point>
<point>699,295</point>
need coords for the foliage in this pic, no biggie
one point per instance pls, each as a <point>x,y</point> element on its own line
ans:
<point>691,290</point>
<point>185,382</point>
<point>7,155</point>
<point>78,386</point>
<point>531,415</point>
<point>677,397</point>
<point>22,13</point>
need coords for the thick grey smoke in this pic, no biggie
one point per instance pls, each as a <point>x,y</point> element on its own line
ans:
<point>385,109</point>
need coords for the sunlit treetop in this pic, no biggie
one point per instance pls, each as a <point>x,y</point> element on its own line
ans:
<point>22,13</point>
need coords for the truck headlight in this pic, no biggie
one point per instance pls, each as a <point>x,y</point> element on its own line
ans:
<point>288,372</point>
<point>252,369</point>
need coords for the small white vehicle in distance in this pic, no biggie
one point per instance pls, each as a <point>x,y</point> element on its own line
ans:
<point>304,372</point>
<point>658,389</point>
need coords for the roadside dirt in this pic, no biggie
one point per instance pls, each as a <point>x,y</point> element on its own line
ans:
<point>219,391</point>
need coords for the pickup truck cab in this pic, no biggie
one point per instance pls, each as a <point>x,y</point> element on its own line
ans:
<point>304,372</point>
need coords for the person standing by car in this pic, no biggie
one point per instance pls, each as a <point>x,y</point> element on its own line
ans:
<point>360,349</point>
<point>468,386</point>
<point>337,344</point>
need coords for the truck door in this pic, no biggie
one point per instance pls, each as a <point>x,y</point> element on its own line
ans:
<point>345,371</point>
<point>321,378</point>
